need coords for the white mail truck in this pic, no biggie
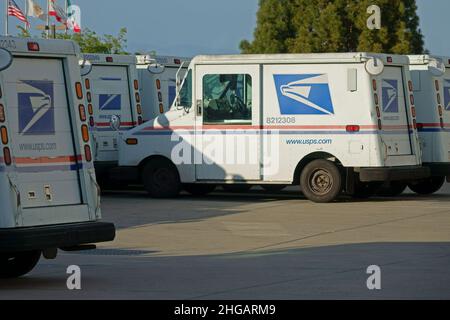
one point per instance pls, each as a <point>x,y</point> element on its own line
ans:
<point>327,122</point>
<point>431,80</point>
<point>113,105</point>
<point>157,76</point>
<point>49,197</point>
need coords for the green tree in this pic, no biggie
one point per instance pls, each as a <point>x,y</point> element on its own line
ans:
<point>91,42</point>
<point>305,26</point>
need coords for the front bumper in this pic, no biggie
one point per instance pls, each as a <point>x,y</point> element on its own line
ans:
<point>56,236</point>
<point>408,173</point>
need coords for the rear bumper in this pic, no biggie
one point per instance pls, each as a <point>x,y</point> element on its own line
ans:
<point>408,173</point>
<point>439,169</point>
<point>57,236</point>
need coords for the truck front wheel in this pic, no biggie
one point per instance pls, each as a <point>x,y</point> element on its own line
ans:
<point>161,179</point>
<point>427,186</point>
<point>15,265</point>
<point>321,181</point>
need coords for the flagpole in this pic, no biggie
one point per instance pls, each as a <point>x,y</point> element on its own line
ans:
<point>7,16</point>
<point>48,19</point>
<point>66,2</point>
<point>26,14</point>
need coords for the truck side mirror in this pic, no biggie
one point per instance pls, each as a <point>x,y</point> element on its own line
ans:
<point>6,59</point>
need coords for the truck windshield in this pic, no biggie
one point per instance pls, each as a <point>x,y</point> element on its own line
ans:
<point>186,91</point>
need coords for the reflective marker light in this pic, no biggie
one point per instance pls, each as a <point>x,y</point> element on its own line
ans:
<point>7,156</point>
<point>376,99</point>
<point>158,84</point>
<point>132,141</point>
<point>136,85</point>
<point>380,125</point>
<point>79,90</point>
<point>411,99</point>
<point>177,61</point>
<point>160,99</point>
<point>87,153</point>
<point>413,111</point>
<point>89,97</point>
<point>85,133</point>
<point>378,112</point>
<point>87,84</point>
<point>439,98</point>
<point>33,46</point>
<point>374,84</point>
<point>109,59</point>
<point>91,121</point>
<point>410,85</point>
<point>440,111</point>
<point>437,85</point>
<point>390,60</point>
<point>90,109</point>
<point>4,134</point>
<point>161,108</point>
<point>2,113</point>
<point>138,97</point>
<point>82,112</point>
<point>139,109</point>
<point>353,128</point>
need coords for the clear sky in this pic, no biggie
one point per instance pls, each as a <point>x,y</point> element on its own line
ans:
<point>190,27</point>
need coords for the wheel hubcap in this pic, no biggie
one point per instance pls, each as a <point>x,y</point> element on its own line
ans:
<point>321,182</point>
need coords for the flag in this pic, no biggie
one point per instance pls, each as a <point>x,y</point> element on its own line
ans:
<point>34,10</point>
<point>72,18</point>
<point>57,12</point>
<point>15,11</point>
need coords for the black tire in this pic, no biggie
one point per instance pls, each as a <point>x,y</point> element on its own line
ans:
<point>321,181</point>
<point>237,188</point>
<point>199,190</point>
<point>394,189</point>
<point>161,179</point>
<point>273,187</point>
<point>18,264</point>
<point>427,186</point>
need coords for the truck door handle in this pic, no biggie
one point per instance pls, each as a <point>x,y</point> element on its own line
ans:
<point>199,108</point>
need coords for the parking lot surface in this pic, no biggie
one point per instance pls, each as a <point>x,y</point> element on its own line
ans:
<point>257,246</point>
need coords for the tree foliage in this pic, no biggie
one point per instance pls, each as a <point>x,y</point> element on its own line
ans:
<point>91,42</point>
<point>306,26</point>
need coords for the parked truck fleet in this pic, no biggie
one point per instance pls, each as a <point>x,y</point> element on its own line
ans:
<point>354,123</point>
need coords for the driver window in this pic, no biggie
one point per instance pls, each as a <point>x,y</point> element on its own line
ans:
<point>227,99</point>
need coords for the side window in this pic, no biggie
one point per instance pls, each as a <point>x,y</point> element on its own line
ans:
<point>186,91</point>
<point>227,99</point>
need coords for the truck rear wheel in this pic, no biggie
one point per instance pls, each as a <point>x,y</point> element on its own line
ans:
<point>18,264</point>
<point>427,186</point>
<point>321,181</point>
<point>237,188</point>
<point>161,179</point>
<point>199,189</point>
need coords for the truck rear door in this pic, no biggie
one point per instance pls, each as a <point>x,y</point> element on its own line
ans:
<point>110,87</point>
<point>47,166</point>
<point>396,127</point>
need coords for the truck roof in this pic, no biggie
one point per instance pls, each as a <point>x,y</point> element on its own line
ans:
<point>113,59</point>
<point>352,57</point>
<point>168,61</point>
<point>45,46</point>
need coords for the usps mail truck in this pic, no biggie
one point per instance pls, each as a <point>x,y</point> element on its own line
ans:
<point>113,104</point>
<point>431,80</point>
<point>157,76</point>
<point>327,122</point>
<point>49,197</point>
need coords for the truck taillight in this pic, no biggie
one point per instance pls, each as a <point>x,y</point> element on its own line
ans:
<point>374,84</point>
<point>413,112</point>
<point>441,113</point>
<point>378,112</point>
<point>7,156</point>
<point>85,133</point>
<point>376,98</point>
<point>138,97</point>
<point>87,153</point>
<point>90,109</point>
<point>410,86</point>
<point>158,84</point>
<point>89,97</point>
<point>177,61</point>
<point>82,111</point>
<point>136,85</point>
<point>2,113</point>
<point>353,128</point>
<point>33,46</point>
<point>160,99</point>
<point>390,60</point>
<point>87,84</point>
<point>411,99</point>
<point>4,134</point>
<point>109,59</point>
<point>436,83</point>
<point>139,109</point>
<point>439,98</point>
<point>79,90</point>
<point>161,108</point>
<point>380,125</point>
